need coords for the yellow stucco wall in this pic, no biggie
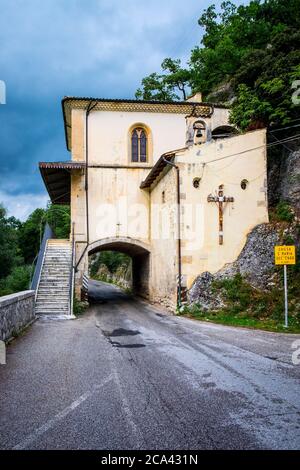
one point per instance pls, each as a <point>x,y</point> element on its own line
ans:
<point>202,249</point>
<point>109,135</point>
<point>164,260</point>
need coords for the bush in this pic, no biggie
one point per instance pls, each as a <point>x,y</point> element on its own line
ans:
<point>17,281</point>
<point>79,307</point>
<point>284,212</point>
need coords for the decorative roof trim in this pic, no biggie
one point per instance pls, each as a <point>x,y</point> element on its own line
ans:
<point>71,165</point>
<point>176,107</point>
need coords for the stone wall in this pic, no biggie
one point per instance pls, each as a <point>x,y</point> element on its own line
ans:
<point>16,312</point>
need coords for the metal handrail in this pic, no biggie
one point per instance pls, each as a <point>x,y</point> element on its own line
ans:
<point>32,272</point>
<point>41,268</point>
<point>72,272</point>
<point>48,233</point>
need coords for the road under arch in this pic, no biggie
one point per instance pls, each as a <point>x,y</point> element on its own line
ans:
<point>140,255</point>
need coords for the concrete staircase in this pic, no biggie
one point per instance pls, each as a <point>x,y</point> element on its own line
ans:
<point>54,286</point>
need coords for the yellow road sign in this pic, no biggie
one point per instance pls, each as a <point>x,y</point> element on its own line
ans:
<point>285,254</point>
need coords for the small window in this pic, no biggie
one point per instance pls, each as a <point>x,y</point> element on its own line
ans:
<point>139,145</point>
<point>244,184</point>
<point>163,197</point>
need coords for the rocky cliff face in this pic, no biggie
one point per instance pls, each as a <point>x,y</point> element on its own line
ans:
<point>290,181</point>
<point>122,277</point>
<point>284,178</point>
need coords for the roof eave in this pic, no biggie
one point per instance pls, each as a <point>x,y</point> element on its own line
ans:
<point>109,100</point>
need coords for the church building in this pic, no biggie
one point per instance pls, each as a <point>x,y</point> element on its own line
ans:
<point>172,184</point>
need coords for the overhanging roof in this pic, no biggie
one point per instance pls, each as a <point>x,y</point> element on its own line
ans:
<point>100,104</point>
<point>157,170</point>
<point>57,179</point>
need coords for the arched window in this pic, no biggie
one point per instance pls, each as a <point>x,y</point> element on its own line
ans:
<point>139,145</point>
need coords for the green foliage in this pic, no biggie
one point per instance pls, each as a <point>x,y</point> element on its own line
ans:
<point>248,108</point>
<point>237,292</point>
<point>79,307</point>
<point>253,308</point>
<point>111,259</point>
<point>284,212</point>
<point>17,281</point>
<point>31,231</point>
<point>30,235</point>
<point>20,243</point>
<point>58,217</point>
<point>255,47</point>
<point>10,255</point>
<point>165,86</point>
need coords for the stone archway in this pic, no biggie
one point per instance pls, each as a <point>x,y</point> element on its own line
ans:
<point>138,251</point>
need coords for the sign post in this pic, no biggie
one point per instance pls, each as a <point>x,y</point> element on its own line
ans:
<point>286,308</point>
<point>285,254</point>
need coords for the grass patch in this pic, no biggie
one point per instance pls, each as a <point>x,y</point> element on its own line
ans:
<point>253,308</point>
<point>283,212</point>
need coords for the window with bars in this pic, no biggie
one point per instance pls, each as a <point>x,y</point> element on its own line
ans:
<point>139,144</point>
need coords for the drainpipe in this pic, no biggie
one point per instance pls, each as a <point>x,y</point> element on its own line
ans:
<point>90,107</point>
<point>178,229</point>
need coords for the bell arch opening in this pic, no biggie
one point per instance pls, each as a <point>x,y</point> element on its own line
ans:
<point>224,132</point>
<point>139,255</point>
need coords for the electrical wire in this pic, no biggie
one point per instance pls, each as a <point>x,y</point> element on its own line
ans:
<point>279,142</point>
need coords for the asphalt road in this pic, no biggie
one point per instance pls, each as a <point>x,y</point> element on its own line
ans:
<point>129,376</point>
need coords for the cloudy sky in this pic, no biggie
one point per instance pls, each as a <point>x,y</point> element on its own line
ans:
<point>55,48</point>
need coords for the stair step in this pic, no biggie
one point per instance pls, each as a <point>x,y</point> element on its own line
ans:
<point>48,299</point>
<point>54,286</point>
<point>47,306</point>
<point>53,283</point>
<point>54,277</point>
<point>52,312</point>
<point>54,297</point>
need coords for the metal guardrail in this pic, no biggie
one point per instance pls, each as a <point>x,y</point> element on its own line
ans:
<point>48,233</point>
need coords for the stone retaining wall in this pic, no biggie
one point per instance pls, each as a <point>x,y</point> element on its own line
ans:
<point>16,312</point>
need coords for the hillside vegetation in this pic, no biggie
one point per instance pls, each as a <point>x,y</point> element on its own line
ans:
<point>20,244</point>
<point>248,56</point>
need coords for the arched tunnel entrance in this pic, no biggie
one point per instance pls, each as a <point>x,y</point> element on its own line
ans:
<point>140,260</point>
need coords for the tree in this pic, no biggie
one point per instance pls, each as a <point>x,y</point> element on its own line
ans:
<point>10,255</point>
<point>30,235</point>
<point>18,280</point>
<point>59,219</point>
<point>253,48</point>
<point>111,259</point>
<point>164,87</point>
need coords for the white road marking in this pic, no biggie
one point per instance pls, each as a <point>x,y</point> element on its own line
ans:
<point>52,422</point>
